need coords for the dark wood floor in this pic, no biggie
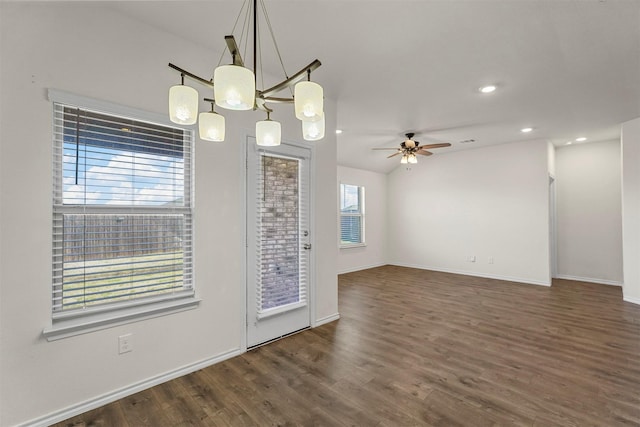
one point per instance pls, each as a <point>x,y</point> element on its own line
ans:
<point>417,347</point>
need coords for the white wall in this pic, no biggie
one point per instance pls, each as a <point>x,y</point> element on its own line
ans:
<point>374,253</point>
<point>589,212</point>
<point>486,202</point>
<point>631,209</point>
<point>92,51</point>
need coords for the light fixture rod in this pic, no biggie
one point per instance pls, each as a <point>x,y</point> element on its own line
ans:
<point>191,75</point>
<point>265,93</point>
<point>291,80</point>
<point>255,40</point>
<point>233,49</point>
<point>279,100</point>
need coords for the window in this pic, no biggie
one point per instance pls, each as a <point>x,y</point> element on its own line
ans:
<point>122,218</point>
<point>351,215</point>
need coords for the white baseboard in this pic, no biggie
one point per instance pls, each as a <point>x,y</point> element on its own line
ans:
<point>365,267</point>
<point>632,300</point>
<point>477,274</point>
<point>110,397</point>
<point>107,398</point>
<point>326,319</point>
<point>589,280</point>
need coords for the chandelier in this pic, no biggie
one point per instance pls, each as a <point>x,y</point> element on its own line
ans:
<point>234,88</point>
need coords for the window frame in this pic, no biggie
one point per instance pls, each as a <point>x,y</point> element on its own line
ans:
<point>360,214</point>
<point>79,321</point>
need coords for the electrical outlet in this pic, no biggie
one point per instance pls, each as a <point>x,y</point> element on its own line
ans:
<point>490,260</point>
<point>125,343</point>
<point>471,258</point>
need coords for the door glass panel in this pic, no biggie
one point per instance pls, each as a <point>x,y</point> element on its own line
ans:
<point>279,232</point>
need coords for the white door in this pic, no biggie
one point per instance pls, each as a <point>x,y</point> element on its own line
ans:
<point>278,237</point>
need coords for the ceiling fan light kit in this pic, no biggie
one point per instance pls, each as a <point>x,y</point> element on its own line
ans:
<point>234,88</point>
<point>409,143</point>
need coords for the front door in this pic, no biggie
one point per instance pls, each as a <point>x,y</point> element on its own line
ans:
<point>278,236</point>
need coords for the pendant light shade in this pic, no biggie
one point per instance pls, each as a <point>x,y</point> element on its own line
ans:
<point>308,100</point>
<point>404,160</point>
<point>234,87</point>
<point>183,104</point>
<point>412,159</point>
<point>211,126</point>
<point>268,133</point>
<point>313,131</point>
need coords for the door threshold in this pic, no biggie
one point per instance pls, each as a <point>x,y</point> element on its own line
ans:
<point>253,347</point>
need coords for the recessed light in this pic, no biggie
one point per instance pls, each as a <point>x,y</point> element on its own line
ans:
<point>569,142</point>
<point>581,139</point>
<point>526,130</point>
<point>487,89</point>
<point>338,131</point>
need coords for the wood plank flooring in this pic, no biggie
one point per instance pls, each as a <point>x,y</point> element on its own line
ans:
<point>416,347</point>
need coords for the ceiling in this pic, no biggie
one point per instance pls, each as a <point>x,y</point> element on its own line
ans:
<point>565,68</point>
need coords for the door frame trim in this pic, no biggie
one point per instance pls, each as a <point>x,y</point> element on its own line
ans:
<point>311,286</point>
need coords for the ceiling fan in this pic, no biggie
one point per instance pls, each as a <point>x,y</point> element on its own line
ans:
<point>410,147</point>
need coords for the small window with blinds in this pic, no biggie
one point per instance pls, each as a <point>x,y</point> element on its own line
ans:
<point>122,212</point>
<point>351,215</point>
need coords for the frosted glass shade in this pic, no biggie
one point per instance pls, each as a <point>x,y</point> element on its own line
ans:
<point>234,87</point>
<point>308,100</point>
<point>211,127</point>
<point>313,131</point>
<point>412,159</point>
<point>268,133</point>
<point>404,160</point>
<point>183,104</point>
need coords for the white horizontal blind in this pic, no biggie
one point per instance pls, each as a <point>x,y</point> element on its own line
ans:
<point>281,264</point>
<point>122,221</point>
<point>351,214</point>
<point>350,229</point>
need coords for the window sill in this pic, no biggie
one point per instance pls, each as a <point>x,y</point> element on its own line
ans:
<point>354,245</point>
<point>280,310</point>
<point>78,325</point>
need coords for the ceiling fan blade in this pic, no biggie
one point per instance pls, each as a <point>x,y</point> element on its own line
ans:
<point>424,152</point>
<point>385,148</point>
<point>443,144</point>
<point>393,155</point>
